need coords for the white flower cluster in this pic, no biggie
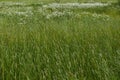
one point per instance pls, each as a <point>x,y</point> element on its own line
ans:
<point>100,15</point>
<point>52,10</point>
<point>58,14</point>
<point>96,15</point>
<point>25,14</point>
<point>74,5</point>
<point>10,3</point>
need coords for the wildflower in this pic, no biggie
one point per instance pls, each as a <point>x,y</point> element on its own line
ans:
<point>58,14</point>
<point>74,5</point>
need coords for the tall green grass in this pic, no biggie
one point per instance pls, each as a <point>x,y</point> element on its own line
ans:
<point>80,47</point>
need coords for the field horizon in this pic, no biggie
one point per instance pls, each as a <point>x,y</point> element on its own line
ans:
<point>59,1</point>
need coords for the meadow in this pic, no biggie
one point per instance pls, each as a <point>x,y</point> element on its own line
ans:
<point>40,42</point>
<point>51,1</point>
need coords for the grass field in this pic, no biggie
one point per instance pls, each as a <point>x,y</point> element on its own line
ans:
<point>31,1</point>
<point>44,43</point>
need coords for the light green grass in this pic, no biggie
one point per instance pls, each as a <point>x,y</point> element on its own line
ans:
<point>81,46</point>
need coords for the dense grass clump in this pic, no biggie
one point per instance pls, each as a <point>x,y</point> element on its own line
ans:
<point>84,46</point>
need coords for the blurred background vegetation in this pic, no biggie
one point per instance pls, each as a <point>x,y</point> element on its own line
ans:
<point>62,0</point>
